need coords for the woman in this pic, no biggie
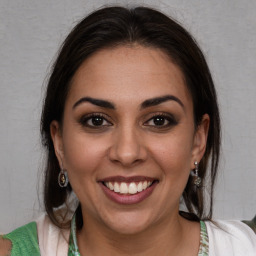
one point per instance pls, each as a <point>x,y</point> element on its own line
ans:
<point>130,123</point>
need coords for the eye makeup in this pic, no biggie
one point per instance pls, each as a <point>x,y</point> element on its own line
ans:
<point>161,121</point>
<point>95,121</point>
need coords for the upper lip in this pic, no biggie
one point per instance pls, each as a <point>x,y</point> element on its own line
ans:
<point>127,179</point>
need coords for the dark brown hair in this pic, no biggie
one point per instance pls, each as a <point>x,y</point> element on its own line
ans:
<point>111,27</point>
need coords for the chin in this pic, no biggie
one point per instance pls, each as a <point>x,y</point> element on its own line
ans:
<point>128,228</point>
<point>128,223</point>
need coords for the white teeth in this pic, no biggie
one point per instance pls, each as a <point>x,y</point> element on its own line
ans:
<point>111,187</point>
<point>128,188</point>
<point>123,188</point>
<point>144,185</point>
<point>132,188</point>
<point>116,187</point>
<point>139,187</point>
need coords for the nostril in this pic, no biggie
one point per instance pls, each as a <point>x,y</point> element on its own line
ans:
<point>127,147</point>
<point>126,156</point>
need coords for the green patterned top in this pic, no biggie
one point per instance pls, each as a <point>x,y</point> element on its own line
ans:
<point>25,242</point>
<point>204,241</point>
<point>73,247</point>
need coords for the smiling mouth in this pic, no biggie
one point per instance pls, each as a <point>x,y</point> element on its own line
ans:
<point>130,188</point>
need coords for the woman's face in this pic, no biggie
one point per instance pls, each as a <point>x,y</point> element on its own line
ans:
<point>128,140</point>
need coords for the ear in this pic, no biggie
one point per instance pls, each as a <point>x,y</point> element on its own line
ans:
<point>200,140</point>
<point>57,141</point>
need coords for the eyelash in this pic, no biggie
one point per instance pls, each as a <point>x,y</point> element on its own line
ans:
<point>84,121</point>
<point>171,121</point>
<point>104,121</point>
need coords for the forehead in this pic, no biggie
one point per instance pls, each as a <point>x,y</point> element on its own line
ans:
<point>126,74</point>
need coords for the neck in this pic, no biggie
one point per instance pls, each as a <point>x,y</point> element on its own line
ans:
<point>172,237</point>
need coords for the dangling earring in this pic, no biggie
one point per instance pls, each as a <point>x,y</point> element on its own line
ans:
<point>63,178</point>
<point>197,179</point>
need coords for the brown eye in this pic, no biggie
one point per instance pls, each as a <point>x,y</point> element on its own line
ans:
<point>94,121</point>
<point>161,121</point>
<point>97,121</point>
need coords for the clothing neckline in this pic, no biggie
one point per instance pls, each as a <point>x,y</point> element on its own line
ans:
<point>74,251</point>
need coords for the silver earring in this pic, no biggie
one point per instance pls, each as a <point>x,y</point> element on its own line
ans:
<point>197,179</point>
<point>63,178</point>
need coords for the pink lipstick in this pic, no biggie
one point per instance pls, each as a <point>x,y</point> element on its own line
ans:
<point>128,190</point>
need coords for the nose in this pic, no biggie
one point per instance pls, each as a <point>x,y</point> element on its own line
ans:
<point>128,148</point>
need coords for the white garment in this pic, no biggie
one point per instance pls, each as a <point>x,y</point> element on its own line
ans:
<point>52,240</point>
<point>230,238</point>
<point>227,238</point>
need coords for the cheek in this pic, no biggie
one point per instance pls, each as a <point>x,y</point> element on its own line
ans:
<point>82,154</point>
<point>173,155</point>
<point>83,157</point>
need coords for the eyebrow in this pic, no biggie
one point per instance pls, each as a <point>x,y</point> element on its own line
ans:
<point>97,102</point>
<point>158,100</point>
<point>145,104</point>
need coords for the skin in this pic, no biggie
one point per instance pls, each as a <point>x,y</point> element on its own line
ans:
<point>129,143</point>
<point>5,246</point>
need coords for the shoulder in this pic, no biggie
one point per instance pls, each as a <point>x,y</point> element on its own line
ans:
<point>52,240</point>
<point>230,238</point>
<point>34,238</point>
<point>21,241</point>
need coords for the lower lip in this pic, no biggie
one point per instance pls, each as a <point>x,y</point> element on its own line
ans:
<point>127,198</point>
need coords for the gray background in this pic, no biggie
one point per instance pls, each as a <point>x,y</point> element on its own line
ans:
<point>30,34</point>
